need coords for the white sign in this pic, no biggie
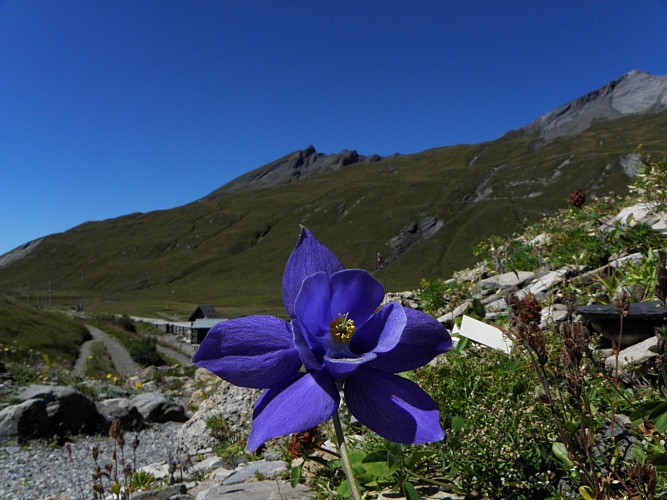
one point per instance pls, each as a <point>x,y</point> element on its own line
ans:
<point>485,334</point>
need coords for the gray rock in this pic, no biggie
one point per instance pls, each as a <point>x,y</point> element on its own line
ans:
<point>260,490</point>
<point>553,314</point>
<point>159,470</point>
<point>639,356</point>
<point>253,469</point>
<point>173,492</point>
<point>506,281</point>
<point>26,420</point>
<point>422,228</point>
<point>231,403</point>
<point>69,410</point>
<point>208,464</point>
<point>448,318</point>
<point>545,283</point>
<point>123,409</point>
<point>640,213</point>
<point>156,407</point>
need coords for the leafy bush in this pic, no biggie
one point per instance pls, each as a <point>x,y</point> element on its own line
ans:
<point>651,181</point>
<point>508,254</point>
<point>432,295</point>
<point>498,433</point>
<point>144,351</point>
<point>126,324</point>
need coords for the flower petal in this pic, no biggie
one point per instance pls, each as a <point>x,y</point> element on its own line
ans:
<point>382,332</point>
<point>312,305</point>
<point>310,349</point>
<point>394,407</point>
<point>357,293</point>
<point>256,351</point>
<point>303,402</point>
<point>423,338</point>
<point>340,368</point>
<point>308,257</point>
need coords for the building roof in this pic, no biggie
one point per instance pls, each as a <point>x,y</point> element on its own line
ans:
<point>206,323</point>
<point>204,311</point>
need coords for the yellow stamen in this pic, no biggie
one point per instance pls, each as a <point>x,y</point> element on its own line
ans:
<point>342,329</point>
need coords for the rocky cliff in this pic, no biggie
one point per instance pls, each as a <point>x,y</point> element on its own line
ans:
<point>634,93</point>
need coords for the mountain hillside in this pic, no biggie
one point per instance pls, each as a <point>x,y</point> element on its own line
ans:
<point>422,212</point>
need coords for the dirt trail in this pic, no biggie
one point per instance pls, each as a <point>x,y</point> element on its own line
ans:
<point>121,359</point>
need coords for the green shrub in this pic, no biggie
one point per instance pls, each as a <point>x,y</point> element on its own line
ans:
<point>144,351</point>
<point>498,433</point>
<point>651,181</point>
<point>432,295</point>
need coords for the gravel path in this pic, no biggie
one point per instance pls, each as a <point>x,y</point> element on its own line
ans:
<point>121,359</point>
<point>82,361</point>
<point>183,359</point>
<point>40,471</point>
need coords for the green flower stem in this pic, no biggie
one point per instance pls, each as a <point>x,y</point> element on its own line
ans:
<point>347,465</point>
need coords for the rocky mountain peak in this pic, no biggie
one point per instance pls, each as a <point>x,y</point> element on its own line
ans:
<point>636,92</point>
<point>299,165</point>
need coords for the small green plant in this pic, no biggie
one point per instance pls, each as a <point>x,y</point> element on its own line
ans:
<point>651,181</point>
<point>508,254</point>
<point>99,362</point>
<point>218,427</point>
<point>142,481</point>
<point>432,295</point>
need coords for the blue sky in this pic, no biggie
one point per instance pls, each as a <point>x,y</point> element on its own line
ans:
<point>114,107</point>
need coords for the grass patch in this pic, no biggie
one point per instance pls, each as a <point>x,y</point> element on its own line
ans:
<point>99,362</point>
<point>27,331</point>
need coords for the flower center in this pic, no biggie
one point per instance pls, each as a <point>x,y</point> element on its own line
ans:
<point>342,329</point>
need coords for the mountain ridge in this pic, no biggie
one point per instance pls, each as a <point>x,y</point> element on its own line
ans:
<point>422,212</point>
<point>298,165</point>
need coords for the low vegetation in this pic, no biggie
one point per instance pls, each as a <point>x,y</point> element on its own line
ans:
<point>27,331</point>
<point>99,362</point>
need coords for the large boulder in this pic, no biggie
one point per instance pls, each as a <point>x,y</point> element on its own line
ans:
<point>156,407</point>
<point>26,420</point>
<point>122,409</point>
<point>70,411</point>
<point>231,406</point>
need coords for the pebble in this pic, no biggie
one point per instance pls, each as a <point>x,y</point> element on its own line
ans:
<point>40,470</point>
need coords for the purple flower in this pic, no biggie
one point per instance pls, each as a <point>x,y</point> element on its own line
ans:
<point>338,337</point>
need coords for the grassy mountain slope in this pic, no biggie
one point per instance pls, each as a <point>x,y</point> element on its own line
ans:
<point>229,249</point>
<point>24,328</point>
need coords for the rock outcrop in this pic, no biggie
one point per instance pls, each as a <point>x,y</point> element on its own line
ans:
<point>301,164</point>
<point>636,92</point>
<point>231,406</point>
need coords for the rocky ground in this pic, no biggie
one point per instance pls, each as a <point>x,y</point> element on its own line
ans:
<point>45,469</point>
